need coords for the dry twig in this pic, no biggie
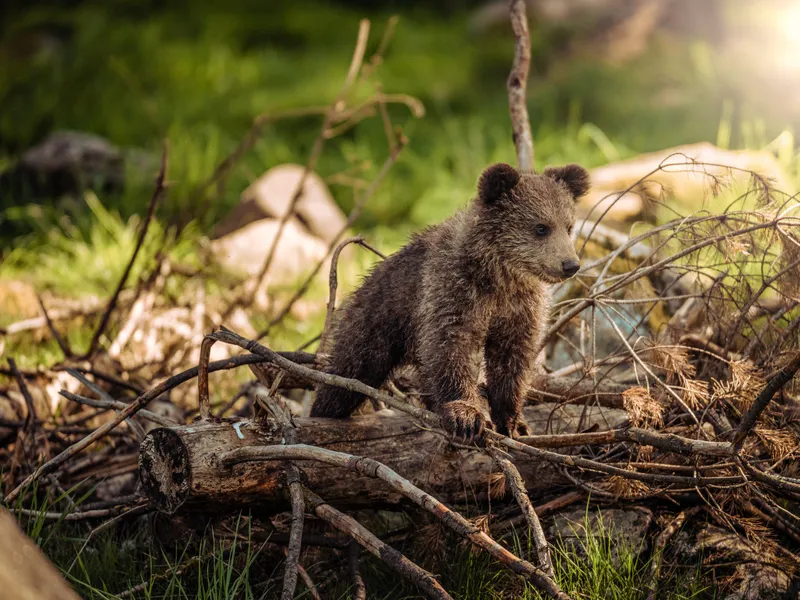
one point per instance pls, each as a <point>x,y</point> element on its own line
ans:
<point>783,377</point>
<point>151,209</point>
<point>424,580</point>
<point>517,484</point>
<point>372,468</point>
<point>333,283</point>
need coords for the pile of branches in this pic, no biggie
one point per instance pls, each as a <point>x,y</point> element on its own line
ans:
<point>691,327</point>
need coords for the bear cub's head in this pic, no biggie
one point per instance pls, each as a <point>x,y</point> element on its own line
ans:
<point>530,218</point>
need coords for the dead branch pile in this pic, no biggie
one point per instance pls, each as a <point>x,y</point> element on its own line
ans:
<point>668,382</point>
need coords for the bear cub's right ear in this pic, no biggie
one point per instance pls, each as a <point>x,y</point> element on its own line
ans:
<point>496,181</point>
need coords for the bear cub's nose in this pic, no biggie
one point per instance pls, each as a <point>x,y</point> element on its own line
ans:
<point>570,267</point>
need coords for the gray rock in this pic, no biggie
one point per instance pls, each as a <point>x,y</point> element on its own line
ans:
<point>271,195</point>
<point>67,162</point>
<point>622,530</point>
<point>245,250</point>
<point>755,576</point>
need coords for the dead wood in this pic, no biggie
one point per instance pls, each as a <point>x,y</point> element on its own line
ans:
<point>371,468</point>
<point>515,482</point>
<point>783,377</point>
<point>180,465</point>
<point>424,580</point>
<point>62,343</point>
<point>353,559</point>
<point>316,151</point>
<point>131,409</point>
<point>25,572</point>
<point>517,85</point>
<point>333,284</point>
<point>660,544</point>
<point>157,193</point>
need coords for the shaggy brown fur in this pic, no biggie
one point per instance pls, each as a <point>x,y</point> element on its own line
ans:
<point>474,284</point>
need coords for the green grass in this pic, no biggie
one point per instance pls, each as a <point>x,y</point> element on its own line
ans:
<point>211,568</point>
<point>599,566</point>
<point>91,259</point>
<point>198,78</point>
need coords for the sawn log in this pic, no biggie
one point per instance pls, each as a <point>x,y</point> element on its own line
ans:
<point>179,466</point>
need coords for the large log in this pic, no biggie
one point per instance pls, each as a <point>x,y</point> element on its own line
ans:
<point>179,466</point>
<point>25,572</point>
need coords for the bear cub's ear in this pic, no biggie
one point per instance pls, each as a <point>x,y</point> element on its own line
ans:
<point>496,181</point>
<point>575,177</point>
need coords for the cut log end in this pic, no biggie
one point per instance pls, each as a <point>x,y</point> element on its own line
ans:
<point>165,470</point>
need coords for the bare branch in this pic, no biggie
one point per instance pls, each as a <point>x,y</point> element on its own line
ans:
<point>316,151</point>
<point>424,580</point>
<point>373,468</point>
<point>151,209</point>
<point>351,218</point>
<point>783,377</point>
<point>517,86</point>
<point>333,284</point>
<point>62,343</point>
<point>359,589</point>
<point>517,484</point>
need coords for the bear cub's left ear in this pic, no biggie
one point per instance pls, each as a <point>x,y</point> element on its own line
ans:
<point>575,177</point>
<point>496,181</point>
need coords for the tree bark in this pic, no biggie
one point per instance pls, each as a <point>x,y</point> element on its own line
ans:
<point>179,466</point>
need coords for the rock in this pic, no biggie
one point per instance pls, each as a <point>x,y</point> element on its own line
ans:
<point>18,300</point>
<point>67,162</point>
<point>271,194</point>
<point>245,250</point>
<point>625,528</point>
<point>755,575</point>
<point>687,183</point>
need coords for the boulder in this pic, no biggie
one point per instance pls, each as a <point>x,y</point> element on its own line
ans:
<point>688,183</point>
<point>67,162</point>
<point>18,300</point>
<point>245,250</point>
<point>271,194</point>
<point>756,572</point>
<point>624,530</point>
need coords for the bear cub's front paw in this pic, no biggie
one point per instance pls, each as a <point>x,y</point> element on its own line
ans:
<point>463,420</point>
<point>514,427</point>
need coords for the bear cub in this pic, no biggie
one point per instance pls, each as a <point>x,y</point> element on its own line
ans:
<point>473,287</point>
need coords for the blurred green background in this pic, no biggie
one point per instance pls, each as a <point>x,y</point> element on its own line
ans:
<point>196,74</point>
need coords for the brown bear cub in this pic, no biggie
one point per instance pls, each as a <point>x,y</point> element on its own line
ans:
<point>472,287</point>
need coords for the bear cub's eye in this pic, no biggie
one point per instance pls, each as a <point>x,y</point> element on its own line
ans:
<point>569,230</point>
<point>541,230</point>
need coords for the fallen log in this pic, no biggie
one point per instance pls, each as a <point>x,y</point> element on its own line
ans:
<point>180,467</point>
